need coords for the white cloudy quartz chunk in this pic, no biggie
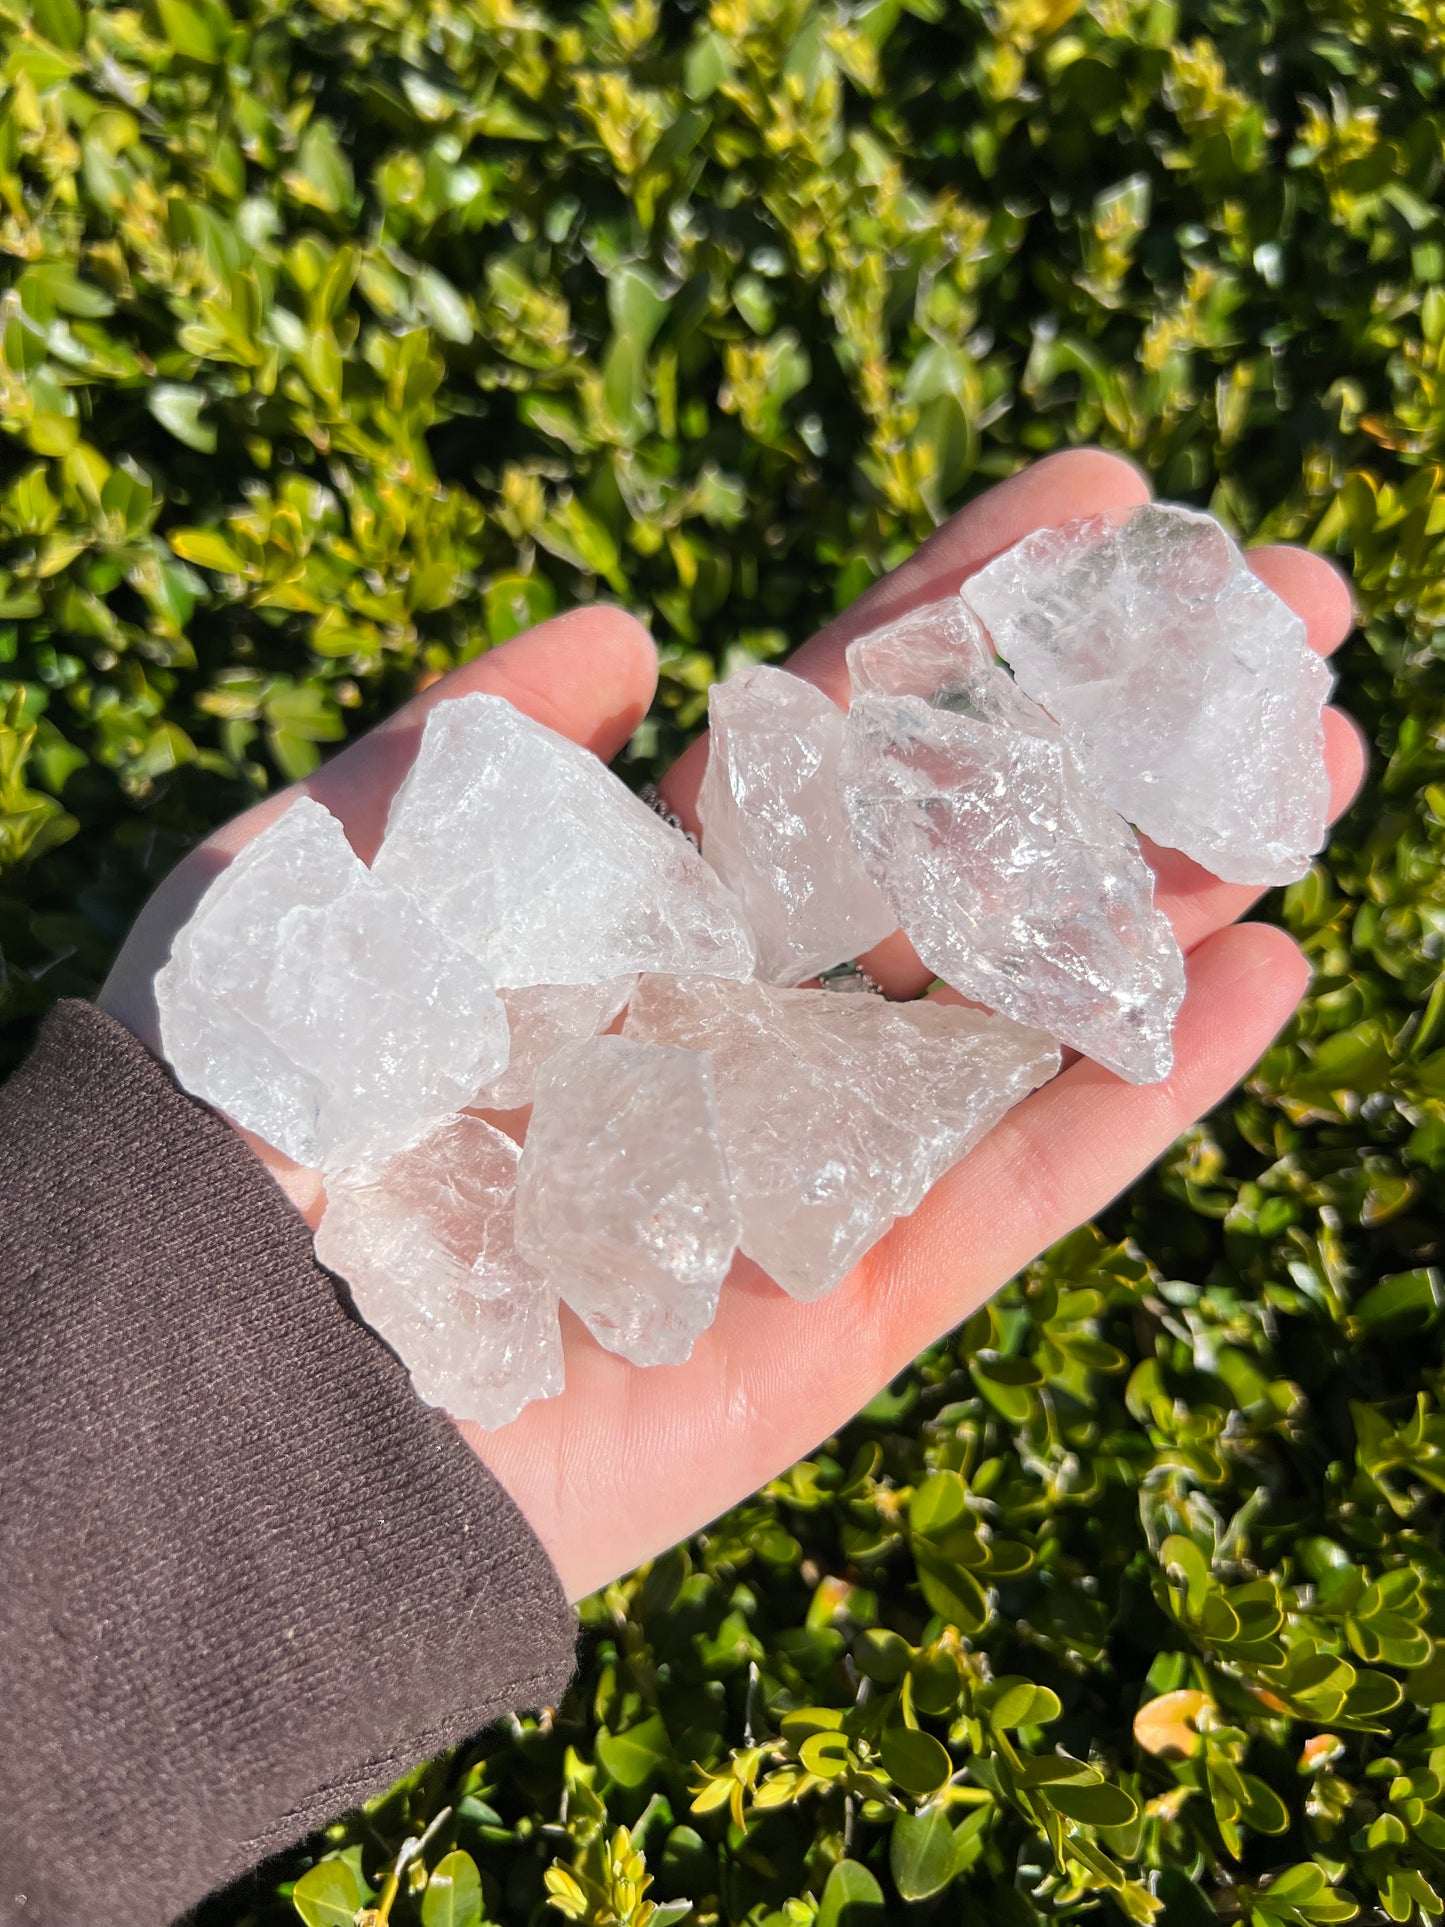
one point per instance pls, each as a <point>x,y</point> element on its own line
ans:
<point>624,1195</point>
<point>318,1007</point>
<point>531,854</point>
<point>1013,883</point>
<point>540,1018</point>
<point>838,1113</point>
<point>1186,689</point>
<point>425,1242</point>
<point>774,830</point>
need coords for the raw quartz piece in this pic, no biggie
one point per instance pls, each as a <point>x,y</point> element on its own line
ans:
<point>318,1007</point>
<point>1013,883</point>
<point>425,1241</point>
<point>623,1195</point>
<point>774,830</point>
<point>534,856</point>
<point>941,654</point>
<point>1186,689</point>
<point>539,1019</point>
<point>838,1113</point>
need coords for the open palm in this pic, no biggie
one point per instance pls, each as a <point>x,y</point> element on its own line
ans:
<point>771,1377</point>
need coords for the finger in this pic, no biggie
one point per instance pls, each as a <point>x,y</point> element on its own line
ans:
<point>771,1377</point>
<point>1313,587</point>
<point>589,675</point>
<point>1081,481</point>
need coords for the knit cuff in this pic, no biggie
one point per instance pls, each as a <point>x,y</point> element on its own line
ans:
<point>246,1577</point>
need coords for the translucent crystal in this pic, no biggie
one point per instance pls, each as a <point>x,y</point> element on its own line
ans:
<point>624,1196</point>
<point>318,1007</point>
<point>1187,690</point>
<point>939,653</point>
<point>532,854</point>
<point>773,827</point>
<point>838,1113</point>
<point>540,1018</point>
<point>425,1242</point>
<point>1013,883</point>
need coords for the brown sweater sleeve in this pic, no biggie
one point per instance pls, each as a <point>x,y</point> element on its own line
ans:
<point>246,1578</point>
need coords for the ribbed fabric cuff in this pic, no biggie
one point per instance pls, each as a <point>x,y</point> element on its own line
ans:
<point>246,1577</point>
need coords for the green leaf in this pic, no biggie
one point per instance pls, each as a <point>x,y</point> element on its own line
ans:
<point>921,1853</point>
<point>1016,1702</point>
<point>453,1896</point>
<point>445,308</point>
<point>938,1503</point>
<point>1405,1301</point>
<point>950,1589</point>
<point>178,409</point>
<point>805,1720</point>
<point>882,1655</point>
<point>1183,1560</point>
<point>1297,1886</point>
<point>633,1758</point>
<point>851,1898</point>
<point>188,30</point>
<point>321,177</point>
<point>327,1895</point>
<point>825,1754</point>
<point>60,22</point>
<point>709,62</point>
<point>209,548</point>
<point>1101,1804</point>
<point>515,602</point>
<point>914,1760</point>
<point>1263,1809</point>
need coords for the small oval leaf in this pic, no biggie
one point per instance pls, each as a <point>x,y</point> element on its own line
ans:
<point>921,1853</point>
<point>327,1895</point>
<point>915,1761</point>
<point>453,1896</point>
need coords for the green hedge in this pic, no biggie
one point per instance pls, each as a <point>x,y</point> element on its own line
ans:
<point>343,338</point>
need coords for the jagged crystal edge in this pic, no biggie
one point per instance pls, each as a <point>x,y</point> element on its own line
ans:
<point>624,1195</point>
<point>1014,884</point>
<point>838,1113</point>
<point>539,860</point>
<point>318,1007</point>
<point>773,826</point>
<point>1185,687</point>
<point>425,1243</point>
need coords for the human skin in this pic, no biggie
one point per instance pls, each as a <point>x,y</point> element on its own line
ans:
<point>626,1462</point>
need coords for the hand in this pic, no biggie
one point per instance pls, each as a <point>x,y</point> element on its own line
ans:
<point>771,1377</point>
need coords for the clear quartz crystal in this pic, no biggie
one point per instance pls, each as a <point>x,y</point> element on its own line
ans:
<point>1012,882</point>
<point>938,652</point>
<point>1186,689</point>
<point>838,1113</point>
<point>532,854</point>
<point>540,1018</point>
<point>425,1242</point>
<point>774,830</point>
<point>624,1196</point>
<point>318,1007</point>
